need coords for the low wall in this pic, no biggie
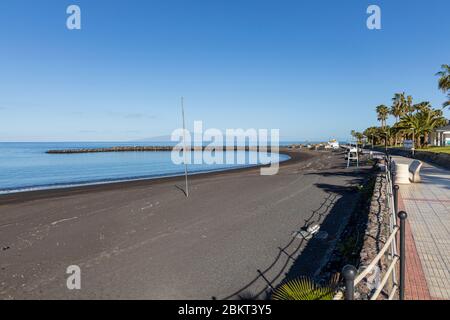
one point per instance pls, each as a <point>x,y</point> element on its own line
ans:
<point>440,159</point>
<point>365,235</point>
<point>376,234</point>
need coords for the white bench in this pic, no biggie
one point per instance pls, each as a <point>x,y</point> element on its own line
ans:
<point>401,173</point>
<point>414,171</point>
<point>405,174</point>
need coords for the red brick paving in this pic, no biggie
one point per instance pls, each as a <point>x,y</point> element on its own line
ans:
<point>415,285</point>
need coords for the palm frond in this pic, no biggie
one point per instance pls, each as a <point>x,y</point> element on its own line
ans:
<point>446,104</point>
<point>303,289</point>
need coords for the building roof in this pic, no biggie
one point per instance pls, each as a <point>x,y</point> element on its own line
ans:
<point>444,128</point>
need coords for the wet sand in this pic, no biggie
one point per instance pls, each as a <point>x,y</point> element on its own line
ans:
<point>146,240</point>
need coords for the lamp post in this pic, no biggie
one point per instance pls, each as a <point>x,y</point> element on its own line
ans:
<point>414,142</point>
<point>185,149</point>
<point>385,141</point>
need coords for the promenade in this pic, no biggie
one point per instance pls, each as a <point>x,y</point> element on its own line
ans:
<point>428,233</point>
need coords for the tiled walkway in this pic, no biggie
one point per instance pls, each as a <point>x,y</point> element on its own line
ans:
<point>428,207</point>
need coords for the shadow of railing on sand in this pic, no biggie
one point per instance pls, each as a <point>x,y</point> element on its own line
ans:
<point>295,243</point>
<point>337,205</point>
<point>318,251</point>
<point>315,254</point>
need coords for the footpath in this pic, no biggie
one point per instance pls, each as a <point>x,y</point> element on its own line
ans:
<point>428,233</point>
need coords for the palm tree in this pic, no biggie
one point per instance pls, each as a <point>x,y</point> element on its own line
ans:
<point>371,134</point>
<point>409,105</point>
<point>382,113</point>
<point>422,106</point>
<point>358,136</point>
<point>389,134</point>
<point>409,124</point>
<point>398,109</point>
<point>420,125</point>
<point>404,103</point>
<point>444,82</point>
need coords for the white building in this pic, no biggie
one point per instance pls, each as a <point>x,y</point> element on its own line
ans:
<point>333,144</point>
<point>440,137</point>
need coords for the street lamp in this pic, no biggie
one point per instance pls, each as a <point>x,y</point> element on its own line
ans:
<point>414,143</point>
<point>385,141</point>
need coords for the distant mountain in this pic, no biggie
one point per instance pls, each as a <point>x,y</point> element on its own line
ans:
<point>166,138</point>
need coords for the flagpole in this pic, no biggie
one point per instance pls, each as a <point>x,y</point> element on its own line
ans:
<point>185,149</point>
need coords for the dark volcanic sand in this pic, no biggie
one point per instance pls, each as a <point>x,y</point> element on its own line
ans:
<point>146,240</point>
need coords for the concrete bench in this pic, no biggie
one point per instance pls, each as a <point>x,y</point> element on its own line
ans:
<point>414,171</point>
<point>401,173</point>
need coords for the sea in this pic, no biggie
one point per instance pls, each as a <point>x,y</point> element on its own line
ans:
<point>25,166</point>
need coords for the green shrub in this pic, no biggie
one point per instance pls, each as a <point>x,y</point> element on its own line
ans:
<point>303,289</point>
<point>347,247</point>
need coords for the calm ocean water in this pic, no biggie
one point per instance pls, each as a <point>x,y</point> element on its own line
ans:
<point>26,166</point>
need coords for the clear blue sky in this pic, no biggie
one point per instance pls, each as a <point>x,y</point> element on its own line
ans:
<point>309,68</point>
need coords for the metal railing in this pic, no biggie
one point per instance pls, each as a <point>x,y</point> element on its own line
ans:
<point>350,273</point>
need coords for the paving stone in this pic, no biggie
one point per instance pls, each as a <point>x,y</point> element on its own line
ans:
<point>428,208</point>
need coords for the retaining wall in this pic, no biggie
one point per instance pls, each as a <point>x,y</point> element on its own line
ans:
<point>440,159</point>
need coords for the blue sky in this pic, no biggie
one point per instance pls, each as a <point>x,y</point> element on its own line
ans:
<point>310,68</point>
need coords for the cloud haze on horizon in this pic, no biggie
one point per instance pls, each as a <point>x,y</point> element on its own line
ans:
<point>310,68</point>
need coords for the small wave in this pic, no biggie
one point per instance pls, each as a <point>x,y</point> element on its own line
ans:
<point>63,185</point>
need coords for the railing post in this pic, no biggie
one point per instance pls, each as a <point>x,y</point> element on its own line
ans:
<point>402,215</point>
<point>349,273</point>
<point>390,163</point>
<point>395,191</point>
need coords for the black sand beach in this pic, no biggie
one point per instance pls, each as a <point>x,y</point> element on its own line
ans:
<point>146,240</point>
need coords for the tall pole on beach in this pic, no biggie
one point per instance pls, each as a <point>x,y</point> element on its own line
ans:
<point>185,149</point>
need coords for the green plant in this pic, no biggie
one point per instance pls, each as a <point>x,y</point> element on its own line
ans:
<point>303,289</point>
<point>347,247</point>
<point>382,113</point>
<point>444,82</point>
<point>422,123</point>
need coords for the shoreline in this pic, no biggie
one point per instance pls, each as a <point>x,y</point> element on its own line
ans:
<point>29,195</point>
<point>140,239</point>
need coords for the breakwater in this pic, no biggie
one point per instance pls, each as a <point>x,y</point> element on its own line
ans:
<point>159,148</point>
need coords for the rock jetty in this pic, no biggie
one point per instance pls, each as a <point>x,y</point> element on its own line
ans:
<point>155,148</point>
